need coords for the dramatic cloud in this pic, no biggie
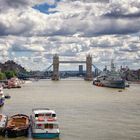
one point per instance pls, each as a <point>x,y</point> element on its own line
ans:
<point>34,30</point>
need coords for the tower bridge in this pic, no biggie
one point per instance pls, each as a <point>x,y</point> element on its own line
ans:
<point>73,62</point>
<point>55,74</point>
<point>57,62</point>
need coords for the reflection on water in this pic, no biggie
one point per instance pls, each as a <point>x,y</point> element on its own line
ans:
<point>85,112</point>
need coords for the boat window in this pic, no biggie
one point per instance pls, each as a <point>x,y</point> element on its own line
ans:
<point>40,115</point>
<point>48,115</point>
<point>53,115</point>
<point>46,125</point>
<point>36,115</point>
<point>49,126</point>
<point>55,126</point>
<point>40,126</point>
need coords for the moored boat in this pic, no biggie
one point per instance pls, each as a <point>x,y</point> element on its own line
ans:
<point>44,124</point>
<point>2,98</point>
<point>3,122</point>
<point>14,83</point>
<point>110,78</point>
<point>17,125</point>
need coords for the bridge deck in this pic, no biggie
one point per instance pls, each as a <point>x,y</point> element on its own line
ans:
<point>72,61</point>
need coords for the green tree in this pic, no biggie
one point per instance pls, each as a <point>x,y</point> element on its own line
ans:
<point>2,76</point>
<point>15,72</point>
<point>9,74</point>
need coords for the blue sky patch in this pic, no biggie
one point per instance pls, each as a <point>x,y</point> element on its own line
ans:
<point>44,7</point>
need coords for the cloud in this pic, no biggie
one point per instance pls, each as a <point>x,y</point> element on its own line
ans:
<point>29,50</point>
<point>89,1</point>
<point>105,30</point>
<point>123,9</point>
<point>89,20</point>
<point>6,5</point>
<point>132,48</point>
<point>20,4</point>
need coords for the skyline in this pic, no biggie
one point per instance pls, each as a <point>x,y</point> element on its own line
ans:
<point>32,31</point>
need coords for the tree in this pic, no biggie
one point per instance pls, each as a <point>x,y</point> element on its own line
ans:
<point>15,72</point>
<point>9,74</point>
<point>2,76</point>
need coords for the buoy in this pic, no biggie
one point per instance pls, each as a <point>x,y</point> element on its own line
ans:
<point>119,90</point>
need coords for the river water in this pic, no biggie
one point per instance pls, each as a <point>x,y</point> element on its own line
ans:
<point>85,112</point>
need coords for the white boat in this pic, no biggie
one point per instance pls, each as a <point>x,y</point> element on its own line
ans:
<point>44,123</point>
<point>3,122</point>
<point>1,89</point>
<point>14,83</point>
<point>2,97</point>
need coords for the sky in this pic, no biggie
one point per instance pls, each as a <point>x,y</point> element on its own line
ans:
<point>32,31</point>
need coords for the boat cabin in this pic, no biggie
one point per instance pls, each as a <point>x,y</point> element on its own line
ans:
<point>46,125</point>
<point>44,114</point>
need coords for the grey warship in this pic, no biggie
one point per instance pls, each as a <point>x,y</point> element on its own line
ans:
<point>110,78</point>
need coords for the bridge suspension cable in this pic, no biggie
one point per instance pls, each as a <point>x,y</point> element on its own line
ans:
<point>96,68</point>
<point>48,68</point>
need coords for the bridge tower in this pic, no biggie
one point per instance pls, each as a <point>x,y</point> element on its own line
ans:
<point>55,75</point>
<point>89,75</point>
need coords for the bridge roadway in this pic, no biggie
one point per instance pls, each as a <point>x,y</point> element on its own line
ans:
<point>74,62</point>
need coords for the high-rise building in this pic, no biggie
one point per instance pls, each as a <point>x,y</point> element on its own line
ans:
<point>81,69</point>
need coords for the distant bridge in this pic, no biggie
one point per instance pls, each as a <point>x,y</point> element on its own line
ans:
<point>73,62</point>
<point>56,62</point>
<point>49,72</point>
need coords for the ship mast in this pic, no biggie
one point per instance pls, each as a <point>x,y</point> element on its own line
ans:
<point>112,65</point>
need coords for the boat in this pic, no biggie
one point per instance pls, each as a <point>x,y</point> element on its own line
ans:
<point>7,96</point>
<point>3,122</point>
<point>44,124</point>
<point>110,78</point>
<point>2,98</point>
<point>17,125</point>
<point>14,83</point>
<point>127,84</point>
<point>4,83</point>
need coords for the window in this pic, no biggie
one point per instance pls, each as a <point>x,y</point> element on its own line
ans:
<point>49,126</point>
<point>55,126</point>
<point>40,115</point>
<point>48,115</point>
<point>53,115</point>
<point>46,125</point>
<point>40,126</point>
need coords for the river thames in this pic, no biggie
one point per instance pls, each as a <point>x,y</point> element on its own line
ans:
<point>85,112</point>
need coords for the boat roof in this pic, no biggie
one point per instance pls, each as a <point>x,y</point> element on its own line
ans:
<point>43,110</point>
